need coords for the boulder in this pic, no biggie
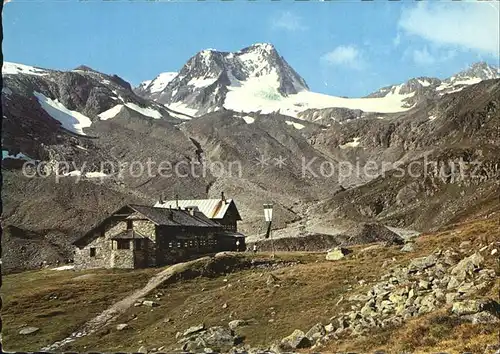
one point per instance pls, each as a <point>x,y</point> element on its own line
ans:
<point>329,328</point>
<point>453,283</point>
<point>467,266</point>
<point>296,340</point>
<point>408,247</point>
<point>122,326</point>
<point>218,338</point>
<point>464,244</point>
<point>337,253</point>
<point>143,349</point>
<point>317,331</point>
<point>483,317</point>
<point>467,307</point>
<point>194,329</point>
<point>150,303</point>
<point>422,263</point>
<point>237,323</point>
<point>29,330</point>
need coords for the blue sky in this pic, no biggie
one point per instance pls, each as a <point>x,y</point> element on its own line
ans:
<point>348,48</point>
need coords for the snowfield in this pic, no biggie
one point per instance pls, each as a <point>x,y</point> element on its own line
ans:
<point>9,68</point>
<point>160,82</point>
<point>112,112</point>
<point>248,119</point>
<point>352,144</point>
<point>70,120</point>
<point>248,100</point>
<point>297,126</point>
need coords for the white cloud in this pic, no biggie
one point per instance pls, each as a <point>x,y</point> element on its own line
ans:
<point>424,56</point>
<point>345,55</point>
<point>288,21</point>
<point>397,40</point>
<point>470,26</point>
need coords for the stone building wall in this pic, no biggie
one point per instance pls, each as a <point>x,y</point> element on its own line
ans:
<point>122,259</point>
<point>102,258</point>
<point>148,229</point>
<point>103,248</point>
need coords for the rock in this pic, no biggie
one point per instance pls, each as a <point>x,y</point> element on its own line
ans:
<point>483,317</point>
<point>438,294</point>
<point>453,283</point>
<point>237,323</point>
<point>465,244</point>
<point>317,331</point>
<point>419,264</point>
<point>296,340</point>
<point>494,251</point>
<point>224,306</point>
<point>150,303</point>
<point>218,338</point>
<point>142,349</point>
<point>451,297</point>
<point>423,284</point>
<point>29,330</point>
<point>337,253</point>
<point>329,328</point>
<point>122,326</point>
<point>361,298</point>
<point>397,299</point>
<point>467,307</point>
<point>194,329</point>
<point>408,247</point>
<point>467,266</point>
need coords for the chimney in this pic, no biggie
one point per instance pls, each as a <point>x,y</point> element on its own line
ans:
<point>177,200</point>
<point>191,211</point>
<point>222,197</point>
<point>161,199</point>
<point>171,214</point>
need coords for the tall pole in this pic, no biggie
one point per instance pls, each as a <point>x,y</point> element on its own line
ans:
<point>268,214</point>
<point>272,242</point>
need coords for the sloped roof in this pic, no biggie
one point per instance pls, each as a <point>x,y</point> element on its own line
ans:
<point>212,208</point>
<point>159,216</point>
<point>174,217</point>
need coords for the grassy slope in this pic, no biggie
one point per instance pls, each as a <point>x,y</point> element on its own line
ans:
<point>308,293</point>
<point>29,299</point>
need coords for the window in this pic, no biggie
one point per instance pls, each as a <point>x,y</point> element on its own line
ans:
<point>123,244</point>
<point>130,225</point>
<point>170,245</point>
<point>92,252</point>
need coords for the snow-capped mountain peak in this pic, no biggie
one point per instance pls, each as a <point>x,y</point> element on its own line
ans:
<point>209,77</point>
<point>425,86</point>
<point>158,84</point>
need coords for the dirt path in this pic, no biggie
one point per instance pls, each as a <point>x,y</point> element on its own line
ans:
<point>110,314</point>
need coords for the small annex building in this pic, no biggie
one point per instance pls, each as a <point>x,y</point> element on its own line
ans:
<point>139,236</point>
<point>222,211</point>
